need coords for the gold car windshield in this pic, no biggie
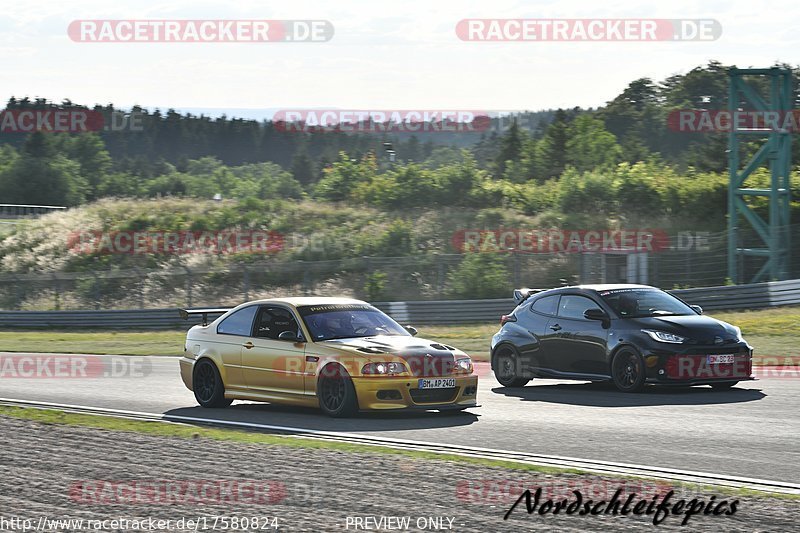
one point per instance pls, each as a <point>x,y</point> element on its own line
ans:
<point>346,321</point>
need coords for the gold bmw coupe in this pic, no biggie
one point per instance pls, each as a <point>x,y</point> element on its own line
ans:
<point>340,354</point>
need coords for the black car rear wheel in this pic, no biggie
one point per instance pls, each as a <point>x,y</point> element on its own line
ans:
<point>507,369</point>
<point>628,370</point>
<point>209,391</point>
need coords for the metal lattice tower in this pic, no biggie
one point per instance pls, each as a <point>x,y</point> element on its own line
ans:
<point>777,151</point>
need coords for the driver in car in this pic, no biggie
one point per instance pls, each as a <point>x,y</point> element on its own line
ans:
<point>628,305</point>
<point>334,325</point>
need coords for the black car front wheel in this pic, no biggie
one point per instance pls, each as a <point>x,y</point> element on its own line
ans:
<point>628,370</point>
<point>507,369</point>
<point>209,391</point>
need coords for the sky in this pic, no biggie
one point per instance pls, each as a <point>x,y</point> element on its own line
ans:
<point>383,55</point>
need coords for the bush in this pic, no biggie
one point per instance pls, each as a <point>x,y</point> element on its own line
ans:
<point>589,193</point>
<point>375,286</point>
<point>480,275</point>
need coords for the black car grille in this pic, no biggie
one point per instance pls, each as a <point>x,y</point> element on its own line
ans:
<point>717,350</point>
<point>713,341</point>
<point>434,395</point>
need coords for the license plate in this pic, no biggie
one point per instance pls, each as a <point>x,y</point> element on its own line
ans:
<point>717,359</point>
<point>442,383</point>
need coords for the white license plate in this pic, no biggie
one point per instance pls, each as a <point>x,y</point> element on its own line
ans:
<point>717,359</point>
<point>442,383</point>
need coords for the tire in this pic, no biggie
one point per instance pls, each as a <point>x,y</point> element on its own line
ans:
<point>628,371</point>
<point>209,391</point>
<point>724,386</point>
<point>506,365</point>
<point>337,395</point>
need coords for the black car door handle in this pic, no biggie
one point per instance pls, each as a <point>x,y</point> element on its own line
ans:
<point>555,327</point>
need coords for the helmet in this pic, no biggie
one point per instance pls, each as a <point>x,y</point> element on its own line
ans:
<point>628,305</point>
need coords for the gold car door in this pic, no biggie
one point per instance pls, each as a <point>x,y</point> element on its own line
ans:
<point>270,363</point>
<point>230,335</point>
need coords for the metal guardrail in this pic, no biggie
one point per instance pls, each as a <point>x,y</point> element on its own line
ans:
<point>26,210</point>
<point>753,296</point>
<point>115,319</point>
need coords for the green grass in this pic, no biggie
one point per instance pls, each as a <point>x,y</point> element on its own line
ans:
<point>94,342</point>
<point>778,321</point>
<point>772,332</point>
<point>473,339</point>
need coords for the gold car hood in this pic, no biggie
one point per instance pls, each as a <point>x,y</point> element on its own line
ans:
<point>424,357</point>
<point>394,344</point>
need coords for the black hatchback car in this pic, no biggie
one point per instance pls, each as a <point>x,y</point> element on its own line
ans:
<point>627,334</point>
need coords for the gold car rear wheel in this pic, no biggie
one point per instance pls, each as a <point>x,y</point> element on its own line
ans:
<point>209,391</point>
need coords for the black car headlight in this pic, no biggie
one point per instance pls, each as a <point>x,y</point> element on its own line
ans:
<point>383,369</point>
<point>664,336</point>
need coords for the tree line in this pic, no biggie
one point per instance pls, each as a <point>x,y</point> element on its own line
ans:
<point>517,161</point>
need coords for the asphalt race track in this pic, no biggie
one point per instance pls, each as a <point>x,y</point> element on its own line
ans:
<point>751,430</point>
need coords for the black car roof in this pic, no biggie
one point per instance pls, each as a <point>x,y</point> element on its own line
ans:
<point>596,288</point>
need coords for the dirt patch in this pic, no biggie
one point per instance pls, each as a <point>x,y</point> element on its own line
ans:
<point>73,473</point>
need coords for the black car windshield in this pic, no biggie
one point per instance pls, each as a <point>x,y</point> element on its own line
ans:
<point>638,303</point>
<point>345,321</point>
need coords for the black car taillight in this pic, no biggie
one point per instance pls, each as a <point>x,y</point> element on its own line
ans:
<point>507,318</point>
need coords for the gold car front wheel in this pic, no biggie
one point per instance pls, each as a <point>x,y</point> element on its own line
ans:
<point>336,393</point>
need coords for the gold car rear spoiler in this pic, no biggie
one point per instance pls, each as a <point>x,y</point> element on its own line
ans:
<point>186,313</point>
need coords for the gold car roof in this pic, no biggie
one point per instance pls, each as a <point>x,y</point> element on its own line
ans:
<point>310,300</point>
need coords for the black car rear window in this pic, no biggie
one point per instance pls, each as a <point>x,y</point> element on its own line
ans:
<point>573,306</point>
<point>545,305</point>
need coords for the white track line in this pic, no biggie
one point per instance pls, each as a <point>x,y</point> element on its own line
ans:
<point>589,465</point>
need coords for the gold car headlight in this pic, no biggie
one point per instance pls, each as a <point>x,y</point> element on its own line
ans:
<point>383,369</point>
<point>463,365</point>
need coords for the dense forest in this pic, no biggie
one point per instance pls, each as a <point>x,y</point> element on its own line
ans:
<point>200,156</point>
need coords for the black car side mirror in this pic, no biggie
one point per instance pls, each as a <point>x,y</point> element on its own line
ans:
<point>289,336</point>
<point>412,330</point>
<point>595,314</point>
<point>697,309</point>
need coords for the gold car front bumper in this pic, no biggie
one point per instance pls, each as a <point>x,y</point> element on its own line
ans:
<point>384,393</point>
